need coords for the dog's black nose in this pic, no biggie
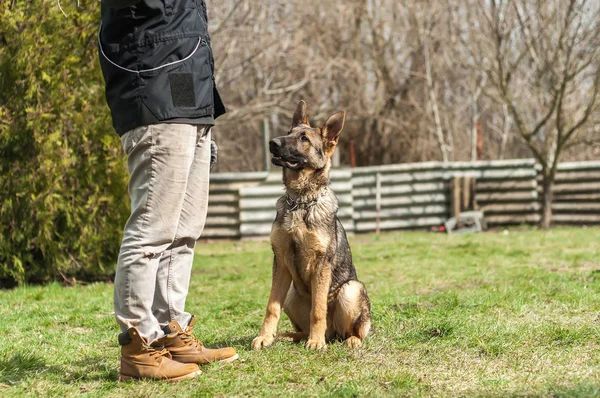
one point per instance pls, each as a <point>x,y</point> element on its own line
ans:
<point>274,144</point>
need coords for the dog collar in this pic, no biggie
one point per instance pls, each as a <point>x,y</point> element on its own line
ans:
<point>295,204</point>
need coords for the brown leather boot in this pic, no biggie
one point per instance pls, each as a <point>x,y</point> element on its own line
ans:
<point>141,361</point>
<point>185,348</point>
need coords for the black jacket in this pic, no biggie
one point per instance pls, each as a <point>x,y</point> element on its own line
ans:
<point>157,62</point>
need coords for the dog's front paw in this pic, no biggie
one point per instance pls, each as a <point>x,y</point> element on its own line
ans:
<point>262,342</point>
<point>353,342</point>
<point>318,344</point>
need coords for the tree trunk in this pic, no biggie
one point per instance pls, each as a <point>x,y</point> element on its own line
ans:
<point>548,184</point>
<point>439,131</point>
<point>474,116</point>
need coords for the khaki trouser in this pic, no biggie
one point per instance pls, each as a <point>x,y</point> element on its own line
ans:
<point>169,168</point>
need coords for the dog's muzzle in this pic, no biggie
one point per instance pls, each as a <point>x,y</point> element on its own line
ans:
<point>282,156</point>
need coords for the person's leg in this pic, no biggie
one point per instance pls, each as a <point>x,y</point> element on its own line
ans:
<point>159,160</point>
<point>175,265</point>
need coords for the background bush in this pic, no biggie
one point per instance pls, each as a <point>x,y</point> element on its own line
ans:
<point>63,193</point>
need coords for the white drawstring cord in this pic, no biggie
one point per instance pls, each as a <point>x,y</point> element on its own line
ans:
<point>144,70</point>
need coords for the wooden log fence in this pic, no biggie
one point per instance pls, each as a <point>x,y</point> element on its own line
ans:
<point>411,196</point>
<point>576,193</point>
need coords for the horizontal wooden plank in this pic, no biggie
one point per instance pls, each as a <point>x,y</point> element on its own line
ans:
<point>269,215</point>
<point>401,177</point>
<point>264,228</point>
<point>585,165</point>
<point>401,212</point>
<point>576,218</point>
<point>395,168</point>
<point>262,191</point>
<point>258,216</point>
<point>335,174</point>
<point>490,197</point>
<point>223,209</point>
<point>245,176</point>
<point>450,167</point>
<point>575,176</point>
<point>270,202</point>
<point>217,232</point>
<point>496,174</point>
<point>232,187</point>
<point>576,207</point>
<point>260,229</point>
<point>345,200</point>
<point>576,197</point>
<point>526,178</point>
<point>341,187</point>
<point>399,201</point>
<point>512,219</point>
<point>404,189</point>
<point>222,198</point>
<point>370,226</point>
<point>279,190</point>
<point>492,164</point>
<point>501,208</point>
<point>339,174</point>
<point>506,185</point>
<point>407,176</point>
<point>222,221</point>
<point>258,203</point>
<point>583,187</point>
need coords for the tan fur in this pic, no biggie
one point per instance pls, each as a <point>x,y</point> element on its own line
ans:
<point>301,238</point>
<point>345,312</point>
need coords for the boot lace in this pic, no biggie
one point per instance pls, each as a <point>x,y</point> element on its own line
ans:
<point>157,352</point>
<point>189,339</point>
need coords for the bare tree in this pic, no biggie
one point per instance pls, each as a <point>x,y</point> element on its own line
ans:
<point>502,129</point>
<point>543,63</point>
<point>420,80</point>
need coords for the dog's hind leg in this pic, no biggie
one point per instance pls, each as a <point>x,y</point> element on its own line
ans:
<point>351,318</point>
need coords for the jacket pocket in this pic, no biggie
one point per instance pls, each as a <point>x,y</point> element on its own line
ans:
<point>180,89</point>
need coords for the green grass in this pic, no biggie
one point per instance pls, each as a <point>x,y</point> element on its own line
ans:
<point>474,315</point>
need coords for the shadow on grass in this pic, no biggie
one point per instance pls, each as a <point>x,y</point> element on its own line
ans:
<point>577,390</point>
<point>91,369</point>
<point>18,366</point>
<point>243,341</point>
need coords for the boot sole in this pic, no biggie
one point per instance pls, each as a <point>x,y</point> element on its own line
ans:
<point>123,378</point>
<point>205,362</point>
<point>230,359</point>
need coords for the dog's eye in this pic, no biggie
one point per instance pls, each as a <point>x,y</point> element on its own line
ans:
<point>304,138</point>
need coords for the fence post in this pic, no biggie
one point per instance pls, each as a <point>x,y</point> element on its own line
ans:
<point>455,197</point>
<point>377,202</point>
<point>352,154</point>
<point>466,193</point>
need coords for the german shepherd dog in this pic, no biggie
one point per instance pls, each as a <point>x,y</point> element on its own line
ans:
<point>314,279</point>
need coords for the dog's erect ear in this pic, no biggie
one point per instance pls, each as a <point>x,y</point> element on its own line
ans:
<point>333,127</point>
<point>300,116</point>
